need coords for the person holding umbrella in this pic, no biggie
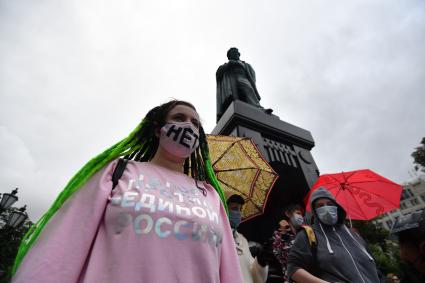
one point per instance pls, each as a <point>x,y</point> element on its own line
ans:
<point>363,194</point>
<point>337,254</point>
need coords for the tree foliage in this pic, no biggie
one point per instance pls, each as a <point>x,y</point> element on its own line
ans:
<point>10,238</point>
<point>419,156</point>
<point>385,252</point>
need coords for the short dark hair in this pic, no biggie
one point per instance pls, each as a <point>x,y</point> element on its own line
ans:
<point>290,208</point>
<point>236,199</point>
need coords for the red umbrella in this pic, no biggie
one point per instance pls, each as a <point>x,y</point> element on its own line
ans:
<point>362,193</point>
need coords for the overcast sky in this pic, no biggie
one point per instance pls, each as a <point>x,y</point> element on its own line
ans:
<point>77,76</point>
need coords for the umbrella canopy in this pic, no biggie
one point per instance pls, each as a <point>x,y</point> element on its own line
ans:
<point>362,193</point>
<point>242,170</point>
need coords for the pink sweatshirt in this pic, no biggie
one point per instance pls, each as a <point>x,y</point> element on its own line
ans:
<point>156,226</point>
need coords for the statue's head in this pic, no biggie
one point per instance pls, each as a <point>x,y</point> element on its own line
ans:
<point>233,54</point>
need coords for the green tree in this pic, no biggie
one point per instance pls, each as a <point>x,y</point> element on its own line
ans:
<point>10,238</point>
<point>385,252</point>
<point>419,156</point>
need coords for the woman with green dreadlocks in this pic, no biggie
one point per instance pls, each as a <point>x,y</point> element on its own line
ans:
<point>163,220</point>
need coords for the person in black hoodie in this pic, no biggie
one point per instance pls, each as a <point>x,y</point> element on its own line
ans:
<point>339,255</point>
<point>410,231</point>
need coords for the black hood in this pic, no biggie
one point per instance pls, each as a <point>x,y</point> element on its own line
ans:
<point>322,192</point>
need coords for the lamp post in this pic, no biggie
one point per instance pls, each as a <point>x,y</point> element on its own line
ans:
<point>13,226</point>
<point>8,199</point>
<point>16,216</point>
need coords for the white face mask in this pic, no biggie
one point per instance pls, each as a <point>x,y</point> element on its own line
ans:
<point>179,139</point>
<point>297,220</point>
<point>327,214</point>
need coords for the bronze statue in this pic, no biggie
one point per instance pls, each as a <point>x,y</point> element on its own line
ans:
<point>236,81</point>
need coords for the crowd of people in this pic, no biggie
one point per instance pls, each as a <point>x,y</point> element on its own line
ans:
<point>329,251</point>
<point>150,209</point>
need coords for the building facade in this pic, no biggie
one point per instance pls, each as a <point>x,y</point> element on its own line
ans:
<point>412,199</point>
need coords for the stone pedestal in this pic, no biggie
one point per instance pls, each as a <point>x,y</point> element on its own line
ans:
<point>286,148</point>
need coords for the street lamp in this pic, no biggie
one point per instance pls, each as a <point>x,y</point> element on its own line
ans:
<point>17,216</point>
<point>8,199</point>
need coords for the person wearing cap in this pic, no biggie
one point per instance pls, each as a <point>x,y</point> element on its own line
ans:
<point>339,254</point>
<point>410,231</point>
<point>254,270</point>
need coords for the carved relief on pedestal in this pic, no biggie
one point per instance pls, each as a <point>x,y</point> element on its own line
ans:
<point>277,151</point>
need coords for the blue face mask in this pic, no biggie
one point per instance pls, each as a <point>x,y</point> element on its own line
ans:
<point>235,218</point>
<point>327,214</point>
<point>297,220</point>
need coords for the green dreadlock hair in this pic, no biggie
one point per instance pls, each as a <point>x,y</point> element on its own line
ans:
<point>140,145</point>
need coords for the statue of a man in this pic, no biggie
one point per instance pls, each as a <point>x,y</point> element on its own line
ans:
<point>235,81</point>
